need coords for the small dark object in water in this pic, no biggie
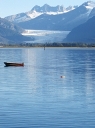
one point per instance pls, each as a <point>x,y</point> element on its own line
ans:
<point>62,76</point>
<point>13,64</point>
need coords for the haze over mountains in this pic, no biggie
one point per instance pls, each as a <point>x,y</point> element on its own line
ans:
<point>59,18</point>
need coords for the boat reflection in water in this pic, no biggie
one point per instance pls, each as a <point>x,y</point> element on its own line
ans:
<point>13,64</point>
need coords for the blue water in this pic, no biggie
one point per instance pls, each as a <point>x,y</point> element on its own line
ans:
<point>35,96</point>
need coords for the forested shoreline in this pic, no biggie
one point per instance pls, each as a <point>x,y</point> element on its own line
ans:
<point>49,45</point>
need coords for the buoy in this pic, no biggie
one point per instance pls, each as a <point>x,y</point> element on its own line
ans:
<point>62,76</point>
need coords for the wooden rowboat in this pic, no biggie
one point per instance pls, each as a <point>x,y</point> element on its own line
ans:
<point>13,64</point>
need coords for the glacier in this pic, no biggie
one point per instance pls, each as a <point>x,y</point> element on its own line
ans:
<point>45,36</point>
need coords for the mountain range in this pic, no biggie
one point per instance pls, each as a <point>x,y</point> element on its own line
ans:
<point>77,19</point>
<point>37,11</point>
<point>54,18</point>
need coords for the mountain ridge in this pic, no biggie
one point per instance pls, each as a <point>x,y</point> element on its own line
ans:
<point>64,22</point>
<point>67,21</point>
<point>37,11</point>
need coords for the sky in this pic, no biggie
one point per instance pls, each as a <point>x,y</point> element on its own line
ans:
<point>12,7</point>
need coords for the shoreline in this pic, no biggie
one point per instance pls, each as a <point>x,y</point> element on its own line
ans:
<point>43,47</point>
<point>49,45</point>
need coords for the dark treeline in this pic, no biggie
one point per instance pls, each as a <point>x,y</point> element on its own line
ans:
<point>49,45</point>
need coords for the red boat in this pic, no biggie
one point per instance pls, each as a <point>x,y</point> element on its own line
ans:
<point>13,64</point>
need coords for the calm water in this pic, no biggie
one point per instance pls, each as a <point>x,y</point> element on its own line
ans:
<point>35,96</point>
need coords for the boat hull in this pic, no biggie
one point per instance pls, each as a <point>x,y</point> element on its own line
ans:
<point>13,64</point>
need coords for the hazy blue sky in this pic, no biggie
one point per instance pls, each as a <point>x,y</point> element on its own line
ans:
<point>10,7</point>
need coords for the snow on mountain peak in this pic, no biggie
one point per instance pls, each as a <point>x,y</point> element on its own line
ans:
<point>69,8</point>
<point>89,4</point>
<point>48,8</point>
<point>37,10</point>
<point>33,14</point>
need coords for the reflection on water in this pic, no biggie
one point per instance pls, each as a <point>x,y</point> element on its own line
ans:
<point>36,96</point>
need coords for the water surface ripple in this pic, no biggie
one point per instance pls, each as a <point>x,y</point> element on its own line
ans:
<point>35,96</point>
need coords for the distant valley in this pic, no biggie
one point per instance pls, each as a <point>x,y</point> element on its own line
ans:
<point>78,20</point>
<point>45,36</point>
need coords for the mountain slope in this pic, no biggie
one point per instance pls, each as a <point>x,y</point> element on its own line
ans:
<point>66,21</point>
<point>37,11</point>
<point>83,33</point>
<point>10,33</point>
<point>18,17</point>
<point>9,25</point>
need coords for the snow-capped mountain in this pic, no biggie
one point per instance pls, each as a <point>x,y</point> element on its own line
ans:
<point>18,18</point>
<point>47,8</point>
<point>37,11</point>
<point>65,21</point>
